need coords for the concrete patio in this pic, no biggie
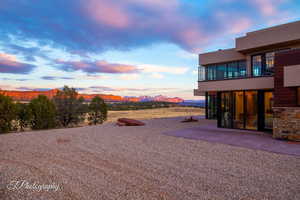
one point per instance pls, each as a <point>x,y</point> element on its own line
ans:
<point>248,139</point>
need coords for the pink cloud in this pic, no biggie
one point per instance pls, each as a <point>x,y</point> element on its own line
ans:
<point>97,67</point>
<point>107,12</point>
<point>268,7</point>
<point>10,64</point>
<point>240,26</point>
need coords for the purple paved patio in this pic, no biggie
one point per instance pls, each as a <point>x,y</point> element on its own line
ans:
<point>242,138</point>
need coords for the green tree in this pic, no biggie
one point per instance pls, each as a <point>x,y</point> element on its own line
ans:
<point>24,115</point>
<point>97,111</point>
<point>7,114</point>
<point>43,113</point>
<point>70,108</point>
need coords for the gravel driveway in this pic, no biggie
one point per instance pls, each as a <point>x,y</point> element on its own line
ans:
<point>108,162</point>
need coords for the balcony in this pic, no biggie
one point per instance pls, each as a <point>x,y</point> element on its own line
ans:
<point>224,71</point>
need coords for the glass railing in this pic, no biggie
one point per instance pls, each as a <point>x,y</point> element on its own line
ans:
<point>201,73</point>
<point>224,71</point>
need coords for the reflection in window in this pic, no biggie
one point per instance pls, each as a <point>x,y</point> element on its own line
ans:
<point>242,69</point>
<point>257,65</point>
<point>233,70</point>
<point>270,58</point>
<point>211,105</point>
<point>238,110</point>
<point>226,70</point>
<point>221,72</point>
<point>251,110</point>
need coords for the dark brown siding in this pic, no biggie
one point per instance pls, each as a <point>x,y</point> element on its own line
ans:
<point>285,96</point>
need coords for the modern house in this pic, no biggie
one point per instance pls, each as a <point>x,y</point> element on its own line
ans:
<point>256,85</point>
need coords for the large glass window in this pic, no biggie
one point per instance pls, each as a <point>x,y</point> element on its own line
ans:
<point>211,105</point>
<point>226,113</point>
<point>226,70</point>
<point>251,110</point>
<point>257,65</point>
<point>233,69</point>
<point>201,73</point>
<point>221,72</point>
<point>242,69</point>
<point>211,72</point>
<point>268,109</point>
<point>238,110</point>
<point>263,64</point>
<point>270,59</point>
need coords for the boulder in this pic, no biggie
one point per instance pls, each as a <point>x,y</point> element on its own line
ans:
<point>190,119</point>
<point>120,124</point>
<point>129,122</point>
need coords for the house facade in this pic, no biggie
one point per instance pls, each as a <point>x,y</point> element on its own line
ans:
<point>256,85</point>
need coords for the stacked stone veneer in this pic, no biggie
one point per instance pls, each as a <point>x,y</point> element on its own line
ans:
<point>286,124</point>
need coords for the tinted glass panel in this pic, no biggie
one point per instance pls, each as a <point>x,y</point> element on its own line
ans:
<point>238,110</point>
<point>270,58</point>
<point>269,102</point>
<point>212,106</point>
<point>257,65</point>
<point>233,70</point>
<point>251,110</point>
<point>221,72</point>
<point>242,68</point>
<point>211,72</point>
<point>226,102</point>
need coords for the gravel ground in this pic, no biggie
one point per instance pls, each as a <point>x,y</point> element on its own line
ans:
<point>110,162</point>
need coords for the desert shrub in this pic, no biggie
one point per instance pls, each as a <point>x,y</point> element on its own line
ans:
<point>97,111</point>
<point>43,113</point>
<point>70,108</point>
<point>23,115</point>
<point>7,114</point>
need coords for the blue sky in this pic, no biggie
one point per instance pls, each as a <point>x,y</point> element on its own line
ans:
<point>123,47</point>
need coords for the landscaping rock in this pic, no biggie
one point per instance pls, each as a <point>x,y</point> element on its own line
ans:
<point>191,119</point>
<point>129,122</point>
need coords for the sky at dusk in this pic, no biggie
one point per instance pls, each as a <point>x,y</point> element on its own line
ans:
<point>123,47</point>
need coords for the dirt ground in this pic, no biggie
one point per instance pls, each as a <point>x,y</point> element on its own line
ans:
<point>155,113</point>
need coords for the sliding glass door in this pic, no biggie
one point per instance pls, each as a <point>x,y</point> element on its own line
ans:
<point>268,110</point>
<point>226,107</point>
<point>238,110</point>
<point>251,110</point>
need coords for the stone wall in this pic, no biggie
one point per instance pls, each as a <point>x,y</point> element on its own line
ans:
<point>286,123</point>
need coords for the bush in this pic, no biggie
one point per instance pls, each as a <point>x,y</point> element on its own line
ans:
<point>7,114</point>
<point>43,113</point>
<point>24,115</point>
<point>97,111</point>
<point>70,108</point>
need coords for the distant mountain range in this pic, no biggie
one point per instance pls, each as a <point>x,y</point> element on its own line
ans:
<point>195,103</point>
<point>29,95</point>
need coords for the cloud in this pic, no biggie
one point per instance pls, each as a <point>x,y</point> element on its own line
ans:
<point>100,25</point>
<point>267,7</point>
<point>96,67</point>
<point>147,68</point>
<point>10,64</point>
<point>157,76</point>
<point>119,89</point>
<point>32,89</point>
<point>51,78</point>
<point>15,79</point>
<point>130,77</point>
<point>93,26</point>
